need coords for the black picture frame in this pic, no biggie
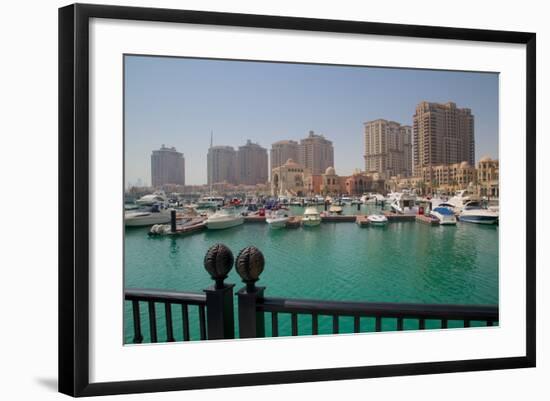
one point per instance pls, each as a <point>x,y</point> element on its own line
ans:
<point>74,200</point>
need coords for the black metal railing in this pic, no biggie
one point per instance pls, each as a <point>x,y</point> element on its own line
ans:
<point>167,299</point>
<point>216,313</point>
<point>397,312</point>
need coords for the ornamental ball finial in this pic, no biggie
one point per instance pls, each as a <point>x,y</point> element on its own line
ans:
<point>250,264</point>
<point>218,262</point>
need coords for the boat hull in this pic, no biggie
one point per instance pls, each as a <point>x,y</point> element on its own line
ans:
<point>150,220</point>
<point>311,222</point>
<point>223,224</point>
<point>277,223</point>
<point>488,220</point>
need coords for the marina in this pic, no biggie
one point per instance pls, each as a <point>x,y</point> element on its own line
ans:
<point>406,260</point>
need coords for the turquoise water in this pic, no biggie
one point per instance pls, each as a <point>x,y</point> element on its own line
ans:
<point>403,262</point>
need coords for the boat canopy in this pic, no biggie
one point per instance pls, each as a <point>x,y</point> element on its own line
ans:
<point>444,211</point>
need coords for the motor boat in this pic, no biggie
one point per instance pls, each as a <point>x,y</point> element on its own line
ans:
<point>224,218</point>
<point>278,218</point>
<point>404,203</point>
<point>445,215</point>
<point>311,217</point>
<point>345,200</point>
<point>373,199</point>
<point>147,217</point>
<point>474,212</point>
<point>377,219</point>
<point>460,199</point>
<point>151,199</point>
<point>210,202</point>
<point>335,209</point>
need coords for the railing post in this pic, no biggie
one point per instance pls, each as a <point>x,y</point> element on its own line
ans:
<point>251,321</point>
<point>220,320</point>
<point>250,264</point>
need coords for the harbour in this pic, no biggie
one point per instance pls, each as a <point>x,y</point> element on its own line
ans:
<point>403,261</point>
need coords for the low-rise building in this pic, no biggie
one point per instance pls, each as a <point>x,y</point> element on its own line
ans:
<point>488,177</point>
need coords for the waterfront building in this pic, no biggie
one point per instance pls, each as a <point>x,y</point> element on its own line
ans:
<point>167,167</point>
<point>281,151</point>
<point>288,179</point>
<point>488,177</point>
<point>221,164</point>
<point>360,182</point>
<point>313,183</point>
<point>331,183</point>
<point>388,148</point>
<point>443,134</point>
<point>449,177</point>
<point>252,164</point>
<point>316,153</point>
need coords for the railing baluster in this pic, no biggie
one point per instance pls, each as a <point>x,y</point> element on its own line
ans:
<point>138,337</point>
<point>169,326</point>
<point>185,322</point>
<point>378,324</point>
<point>444,323</point>
<point>400,324</point>
<point>314,324</point>
<point>152,321</point>
<point>335,324</point>
<point>274,324</point>
<point>421,324</point>
<point>356,324</point>
<point>294,324</point>
<point>466,322</point>
<point>202,321</point>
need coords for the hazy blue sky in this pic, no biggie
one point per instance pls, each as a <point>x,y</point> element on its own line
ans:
<point>178,101</point>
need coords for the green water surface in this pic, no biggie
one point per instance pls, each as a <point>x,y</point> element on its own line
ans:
<point>403,262</point>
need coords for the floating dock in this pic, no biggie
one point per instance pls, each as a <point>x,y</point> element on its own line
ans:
<point>254,219</point>
<point>338,218</point>
<point>294,222</point>
<point>422,218</point>
<point>395,217</point>
<point>362,220</point>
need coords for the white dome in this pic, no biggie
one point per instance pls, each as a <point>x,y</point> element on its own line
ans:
<point>330,171</point>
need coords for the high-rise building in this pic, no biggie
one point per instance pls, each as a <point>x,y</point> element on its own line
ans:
<point>252,164</point>
<point>387,148</point>
<point>167,167</point>
<point>316,153</point>
<point>221,164</point>
<point>281,151</point>
<point>443,134</point>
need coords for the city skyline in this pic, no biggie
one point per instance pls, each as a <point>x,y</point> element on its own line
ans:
<point>180,101</point>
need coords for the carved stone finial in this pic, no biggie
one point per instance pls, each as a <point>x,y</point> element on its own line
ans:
<point>250,264</point>
<point>218,262</point>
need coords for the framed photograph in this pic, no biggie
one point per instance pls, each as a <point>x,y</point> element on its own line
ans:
<point>251,199</point>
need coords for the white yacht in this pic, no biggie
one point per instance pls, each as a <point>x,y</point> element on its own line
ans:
<point>372,199</point>
<point>377,219</point>
<point>311,217</point>
<point>210,202</point>
<point>335,209</point>
<point>147,217</point>
<point>278,218</point>
<point>474,212</point>
<point>224,218</point>
<point>461,198</point>
<point>404,203</point>
<point>151,199</point>
<point>445,215</point>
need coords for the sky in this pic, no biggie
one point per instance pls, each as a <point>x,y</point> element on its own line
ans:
<point>180,101</point>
